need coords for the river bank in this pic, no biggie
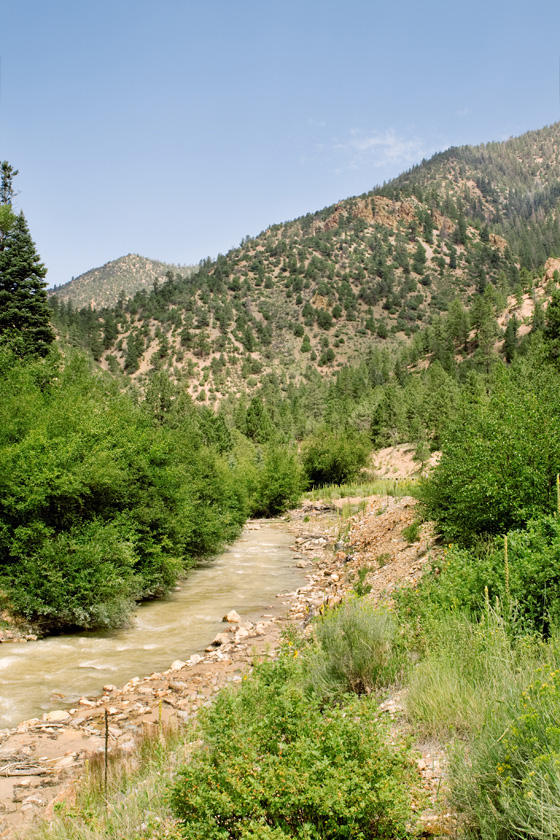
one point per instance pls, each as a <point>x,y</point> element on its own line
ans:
<point>43,758</point>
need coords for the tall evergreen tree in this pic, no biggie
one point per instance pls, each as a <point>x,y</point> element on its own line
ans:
<point>24,313</point>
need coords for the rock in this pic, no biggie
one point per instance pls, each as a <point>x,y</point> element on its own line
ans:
<point>65,761</point>
<point>220,639</point>
<point>302,564</point>
<point>83,701</point>
<point>109,688</point>
<point>335,577</point>
<point>177,665</point>
<point>195,659</point>
<point>127,746</point>
<point>242,633</point>
<point>176,685</point>
<point>57,716</point>
<point>232,617</point>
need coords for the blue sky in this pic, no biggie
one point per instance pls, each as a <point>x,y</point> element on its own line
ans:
<point>173,129</point>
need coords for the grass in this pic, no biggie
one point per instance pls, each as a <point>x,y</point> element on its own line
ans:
<point>507,783</point>
<point>357,650</point>
<point>378,487</point>
<point>412,532</point>
<point>136,806</point>
<point>494,697</point>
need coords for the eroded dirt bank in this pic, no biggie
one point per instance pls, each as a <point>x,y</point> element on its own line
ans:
<point>41,759</point>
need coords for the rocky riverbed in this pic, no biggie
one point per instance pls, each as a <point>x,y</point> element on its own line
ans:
<point>41,759</point>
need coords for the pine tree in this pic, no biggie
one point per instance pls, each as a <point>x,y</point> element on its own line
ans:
<point>510,339</point>
<point>24,313</point>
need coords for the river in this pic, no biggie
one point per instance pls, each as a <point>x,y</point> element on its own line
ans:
<point>55,672</point>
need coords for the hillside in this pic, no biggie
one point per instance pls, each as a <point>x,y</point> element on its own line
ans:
<point>328,288</point>
<point>102,287</point>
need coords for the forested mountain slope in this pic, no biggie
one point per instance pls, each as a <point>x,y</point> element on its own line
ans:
<point>326,289</point>
<point>120,278</point>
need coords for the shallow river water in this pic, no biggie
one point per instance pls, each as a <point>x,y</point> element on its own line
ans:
<point>54,673</point>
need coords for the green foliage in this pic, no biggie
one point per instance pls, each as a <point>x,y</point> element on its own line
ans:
<point>279,483</point>
<point>334,457</point>
<point>528,585</point>
<point>501,456</point>
<point>468,668</point>
<point>358,650</point>
<point>270,764</point>
<point>84,578</point>
<point>24,314</point>
<point>258,425</point>
<point>360,587</point>
<point>412,532</point>
<point>552,328</point>
<point>508,784</point>
<point>99,505</point>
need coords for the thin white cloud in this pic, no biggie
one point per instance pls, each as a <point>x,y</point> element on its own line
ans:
<point>462,112</point>
<point>381,149</point>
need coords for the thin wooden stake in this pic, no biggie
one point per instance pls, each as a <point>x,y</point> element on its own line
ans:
<point>105,780</point>
<point>506,566</point>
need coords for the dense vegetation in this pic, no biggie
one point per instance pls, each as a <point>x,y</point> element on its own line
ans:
<point>295,337</point>
<point>318,292</point>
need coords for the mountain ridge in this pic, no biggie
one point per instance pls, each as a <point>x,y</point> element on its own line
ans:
<point>102,286</point>
<point>364,273</point>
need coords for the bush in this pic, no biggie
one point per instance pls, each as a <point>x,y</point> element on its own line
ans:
<point>500,460</point>
<point>358,650</point>
<point>528,588</point>
<point>80,579</point>
<point>331,457</point>
<point>280,481</point>
<point>269,764</point>
<point>99,504</point>
<point>507,784</point>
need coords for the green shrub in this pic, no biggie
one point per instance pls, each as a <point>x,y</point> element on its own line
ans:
<point>358,650</point>
<point>507,783</point>
<point>280,481</point>
<point>334,457</point>
<point>500,459</point>
<point>528,588</point>
<point>268,763</point>
<point>360,587</point>
<point>84,578</point>
<point>412,532</point>
<point>100,504</point>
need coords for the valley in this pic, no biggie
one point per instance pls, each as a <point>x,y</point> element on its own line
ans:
<point>380,379</point>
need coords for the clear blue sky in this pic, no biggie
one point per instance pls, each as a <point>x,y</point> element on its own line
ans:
<point>173,129</point>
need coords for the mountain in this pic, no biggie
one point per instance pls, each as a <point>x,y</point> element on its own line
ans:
<point>359,277</point>
<point>102,287</point>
